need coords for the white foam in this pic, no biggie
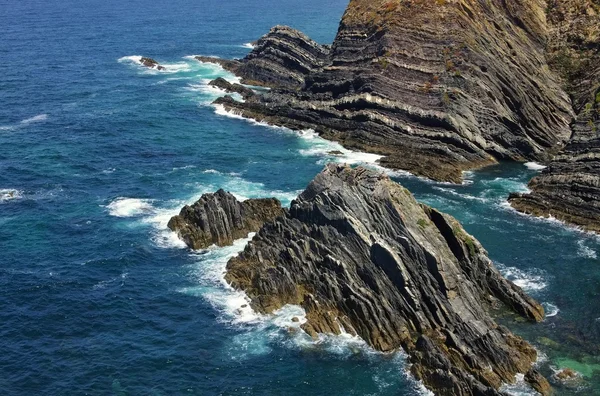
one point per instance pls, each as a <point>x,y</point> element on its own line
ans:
<point>534,166</point>
<point>25,122</point>
<point>9,194</point>
<point>316,145</point>
<point>131,59</point>
<point>585,251</point>
<point>129,207</point>
<point>453,191</point>
<point>550,309</point>
<point>519,388</point>
<point>248,45</point>
<point>103,284</point>
<point>530,280</point>
<point>37,118</point>
<point>168,68</point>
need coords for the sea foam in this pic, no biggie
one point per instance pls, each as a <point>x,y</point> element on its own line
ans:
<point>530,280</point>
<point>534,166</point>
<point>129,207</point>
<point>10,194</point>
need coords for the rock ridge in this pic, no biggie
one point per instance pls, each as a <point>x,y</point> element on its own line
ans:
<point>361,255</point>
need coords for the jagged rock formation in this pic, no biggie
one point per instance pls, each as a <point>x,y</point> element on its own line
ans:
<point>151,63</point>
<point>437,87</point>
<point>281,58</point>
<point>225,85</point>
<point>219,219</point>
<point>360,254</point>
<point>569,189</point>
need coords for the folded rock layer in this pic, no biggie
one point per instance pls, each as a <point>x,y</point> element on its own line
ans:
<point>436,86</point>
<point>360,255</point>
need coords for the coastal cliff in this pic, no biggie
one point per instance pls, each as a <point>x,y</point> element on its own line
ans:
<point>362,256</point>
<point>569,188</point>
<point>436,87</point>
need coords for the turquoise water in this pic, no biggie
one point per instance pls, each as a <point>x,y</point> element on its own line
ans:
<point>96,153</point>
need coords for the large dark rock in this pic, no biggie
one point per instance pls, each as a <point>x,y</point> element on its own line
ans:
<point>225,85</point>
<point>361,255</point>
<point>219,218</point>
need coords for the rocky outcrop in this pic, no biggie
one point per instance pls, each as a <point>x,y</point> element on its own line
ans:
<point>284,57</point>
<point>569,188</point>
<point>151,63</point>
<point>228,87</point>
<point>436,87</point>
<point>219,219</point>
<point>361,255</point>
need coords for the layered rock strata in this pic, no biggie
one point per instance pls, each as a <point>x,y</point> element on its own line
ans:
<point>569,188</point>
<point>360,255</point>
<point>437,87</point>
<point>219,219</point>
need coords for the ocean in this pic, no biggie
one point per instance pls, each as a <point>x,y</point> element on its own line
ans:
<point>97,152</point>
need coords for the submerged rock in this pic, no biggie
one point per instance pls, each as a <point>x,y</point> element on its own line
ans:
<point>151,63</point>
<point>361,255</point>
<point>232,88</point>
<point>219,218</point>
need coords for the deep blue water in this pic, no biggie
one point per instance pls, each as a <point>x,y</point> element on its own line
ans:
<point>96,153</point>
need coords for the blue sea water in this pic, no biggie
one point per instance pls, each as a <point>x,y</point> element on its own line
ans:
<point>97,152</point>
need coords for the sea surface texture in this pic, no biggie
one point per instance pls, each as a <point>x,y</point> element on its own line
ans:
<point>98,297</point>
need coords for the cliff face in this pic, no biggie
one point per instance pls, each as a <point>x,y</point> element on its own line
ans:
<point>361,255</point>
<point>219,219</point>
<point>569,189</point>
<point>436,86</point>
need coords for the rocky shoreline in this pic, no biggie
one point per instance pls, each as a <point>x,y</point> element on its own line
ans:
<point>362,256</point>
<point>437,89</point>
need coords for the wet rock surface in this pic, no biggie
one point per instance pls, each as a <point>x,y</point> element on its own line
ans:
<point>219,218</point>
<point>360,255</point>
<point>151,63</point>
<point>228,87</point>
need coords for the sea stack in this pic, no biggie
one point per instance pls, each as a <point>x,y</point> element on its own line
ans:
<point>219,219</point>
<point>361,255</point>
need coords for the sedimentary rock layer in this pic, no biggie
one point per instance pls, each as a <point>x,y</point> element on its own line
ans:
<point>219,219</point>
<point>569,188</point>
<point>360,254</point>
<point>436,87</point>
